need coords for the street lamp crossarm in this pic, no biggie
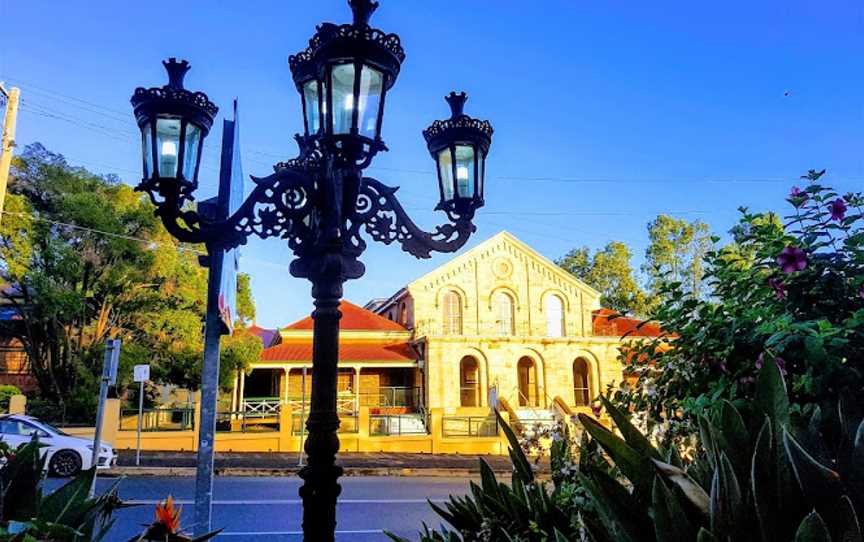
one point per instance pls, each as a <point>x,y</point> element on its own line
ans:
<point>386,221</point>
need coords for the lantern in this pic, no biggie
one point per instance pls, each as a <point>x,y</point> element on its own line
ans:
<point>343,77</point>
<point>174,123</point>
<point>459,146</point>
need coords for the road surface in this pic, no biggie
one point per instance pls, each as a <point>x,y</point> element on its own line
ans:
<point>268,509</point>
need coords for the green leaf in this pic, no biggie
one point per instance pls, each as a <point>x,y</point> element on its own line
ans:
<point>634,438</point>
<point>771,396</point>
<point>812,529</point>
<point>697,496</point>
<point>762,480</point>
<point>520,463</point>
<point>64,505</point>
<point>726,500</point>
<point>637,468</point>
<point>705,536</point>
<point>670,521</point>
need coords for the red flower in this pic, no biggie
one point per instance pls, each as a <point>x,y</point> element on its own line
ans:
<point>778,287</point>
<point>792,259</point>
<point>838,209</point>
<point>167,516</point>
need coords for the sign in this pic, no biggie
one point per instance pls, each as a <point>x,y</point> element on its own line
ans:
<point>141,373</point>
<point>112,360</point>
<point>230,198</point>
<point>493,397</point>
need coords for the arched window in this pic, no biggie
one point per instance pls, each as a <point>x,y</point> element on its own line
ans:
<point>469,382</point>
<point>554,310</point>
<point>502,312</point>
<point>581,383</point>
<point>452,313</point>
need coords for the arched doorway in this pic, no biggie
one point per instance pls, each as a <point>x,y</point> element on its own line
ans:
<point>581,383</point>
<point>528,386</point>
<point>469,382</point>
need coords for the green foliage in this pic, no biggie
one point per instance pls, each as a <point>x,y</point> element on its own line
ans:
<point>67,515</point>
<point>753,478</point>
<point>810,320</point>
<point>608,271</point>
<point>93,262</point>
<point>761,472</point>
<point>526,510</point>
<point>676,253</point>
<point>238,352</point>
<point>6,393</point>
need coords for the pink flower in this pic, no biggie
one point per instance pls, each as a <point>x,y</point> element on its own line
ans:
<point>760,361</point>
<point>797,196</point>
<point>596,410</point>
<point>861,292</point>
<point>792,259</point>
<point>778,287</point>
<point>838,209</point>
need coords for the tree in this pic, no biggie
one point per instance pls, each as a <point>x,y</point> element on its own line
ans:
<point>609,271</point>
<point>676,253</point>
<point>93,262</point>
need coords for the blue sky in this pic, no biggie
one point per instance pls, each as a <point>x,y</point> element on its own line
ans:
<point>606,113</point>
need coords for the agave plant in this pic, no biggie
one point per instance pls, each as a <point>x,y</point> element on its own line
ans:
<point>68,514</point>
<point>766,474</point>
<point>526,510</point>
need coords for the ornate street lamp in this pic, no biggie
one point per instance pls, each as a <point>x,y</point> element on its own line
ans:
<point>319,201</point>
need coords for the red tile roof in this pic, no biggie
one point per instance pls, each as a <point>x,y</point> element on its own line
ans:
<point>622,325</point>
<point>356,319</point>
<point>348,351</point>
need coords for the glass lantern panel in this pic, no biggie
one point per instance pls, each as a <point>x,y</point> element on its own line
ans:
<point>445,173</point>
<point>465,171</point>
<point>311,96</point>
<point>371,89</point>
<point>147,149</point>
<point>342,79</point>
<point>167,145</point>
<point>190,153</point>
<point>483,177</point>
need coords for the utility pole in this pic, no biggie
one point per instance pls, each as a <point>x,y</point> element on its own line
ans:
<point>8,142</point>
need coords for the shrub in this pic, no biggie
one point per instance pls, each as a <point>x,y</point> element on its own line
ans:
<point>790,291</point>
<point>762,472</point>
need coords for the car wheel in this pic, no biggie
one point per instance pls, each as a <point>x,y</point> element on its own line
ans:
<point>65,463</point>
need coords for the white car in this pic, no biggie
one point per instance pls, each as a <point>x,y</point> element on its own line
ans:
<point>64,454</point>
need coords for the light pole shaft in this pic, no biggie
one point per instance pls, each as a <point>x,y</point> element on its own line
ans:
<point>321,488</point>
<point>209,391</point>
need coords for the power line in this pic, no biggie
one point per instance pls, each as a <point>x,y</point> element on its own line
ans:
<point>109,112</point>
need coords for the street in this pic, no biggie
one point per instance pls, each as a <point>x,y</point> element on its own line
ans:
<point>250,509</point>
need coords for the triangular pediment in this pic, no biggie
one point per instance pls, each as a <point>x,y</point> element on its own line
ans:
<point>504,246</point>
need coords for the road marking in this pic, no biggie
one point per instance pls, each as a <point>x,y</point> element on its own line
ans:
<point>295,533</point>
<point>288,501</point>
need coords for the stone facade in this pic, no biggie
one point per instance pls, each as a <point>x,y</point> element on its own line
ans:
<point>502,316</point>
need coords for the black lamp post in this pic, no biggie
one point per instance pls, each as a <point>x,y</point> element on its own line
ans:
<point>319,201</point>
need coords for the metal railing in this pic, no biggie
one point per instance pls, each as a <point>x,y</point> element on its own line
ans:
<point>344,404</point>
<point>158,419</point>
<point>261,407</point>
<point>401,424</point>
<point>242,422</point>
<point>469,426</point>
<point>391,396</point>
<point>348,423</point>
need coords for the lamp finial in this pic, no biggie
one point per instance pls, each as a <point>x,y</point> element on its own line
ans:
<point>176,72</point>
<point>457,103</point>
<point>363,10</point>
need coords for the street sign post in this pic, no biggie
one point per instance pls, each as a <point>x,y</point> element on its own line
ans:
<point>221,312</point>
<point>140,374</point>
<point>109,378</point>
